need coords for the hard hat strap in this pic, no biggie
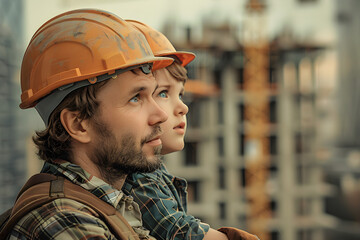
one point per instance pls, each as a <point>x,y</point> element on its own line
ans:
<point>47,104</point>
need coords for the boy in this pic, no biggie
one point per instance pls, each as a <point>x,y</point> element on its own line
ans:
<point>162,197</point>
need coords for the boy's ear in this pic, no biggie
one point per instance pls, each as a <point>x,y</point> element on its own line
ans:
<point>77,128</point>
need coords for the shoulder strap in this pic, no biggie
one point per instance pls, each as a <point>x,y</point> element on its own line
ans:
<point>36,179</point>
<point>43,188</point>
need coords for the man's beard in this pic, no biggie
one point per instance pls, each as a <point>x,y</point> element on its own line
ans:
<point>116,159</point>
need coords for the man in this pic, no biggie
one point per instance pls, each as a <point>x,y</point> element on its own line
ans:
<point>88,74</point>
<point>162,196</point>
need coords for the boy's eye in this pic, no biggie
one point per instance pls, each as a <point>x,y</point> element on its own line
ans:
<point>135,99</point>
<point>163,94</point>
<point>181,95</point>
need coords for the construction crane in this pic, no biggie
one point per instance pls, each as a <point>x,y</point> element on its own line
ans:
<point>256,91</point>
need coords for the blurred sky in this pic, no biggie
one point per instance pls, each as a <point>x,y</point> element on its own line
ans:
<point>307,20</point>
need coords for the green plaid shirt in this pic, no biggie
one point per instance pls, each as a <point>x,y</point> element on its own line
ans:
<point>163,203</point>
<point>67,219</point>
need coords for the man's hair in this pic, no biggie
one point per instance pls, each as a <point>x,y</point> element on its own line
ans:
<point>177,71</point>
<point>54,142</point>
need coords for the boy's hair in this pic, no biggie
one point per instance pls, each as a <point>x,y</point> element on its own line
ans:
<point>177,71</point>
<point>54,142</point>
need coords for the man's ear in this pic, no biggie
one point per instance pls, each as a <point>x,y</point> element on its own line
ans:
<point>77,128</point>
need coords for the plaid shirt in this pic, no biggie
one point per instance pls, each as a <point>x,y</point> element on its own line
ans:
<point>163,203</point>
<point>67,219</point>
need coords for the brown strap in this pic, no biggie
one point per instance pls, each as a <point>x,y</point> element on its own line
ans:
<point>50,188</point>
<point>36,179</point>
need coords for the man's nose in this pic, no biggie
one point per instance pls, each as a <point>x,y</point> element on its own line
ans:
<point>158,115</point>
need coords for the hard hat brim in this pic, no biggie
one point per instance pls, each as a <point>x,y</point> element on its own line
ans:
<point>184,57</point>
<point>28,96</point>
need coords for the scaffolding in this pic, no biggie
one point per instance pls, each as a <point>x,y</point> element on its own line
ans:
<point>257,90</point>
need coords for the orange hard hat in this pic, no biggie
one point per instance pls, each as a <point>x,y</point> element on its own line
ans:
<point>77,47</point>
<point>160,45</point>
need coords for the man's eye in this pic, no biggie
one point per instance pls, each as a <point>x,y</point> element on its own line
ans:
<point>163,94</point>
<point>181,95</point>
<point>135,99</point>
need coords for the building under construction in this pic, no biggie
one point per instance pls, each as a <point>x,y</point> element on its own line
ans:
<point>279,122</point>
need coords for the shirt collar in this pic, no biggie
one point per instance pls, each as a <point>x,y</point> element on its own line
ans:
<point>84,179</point>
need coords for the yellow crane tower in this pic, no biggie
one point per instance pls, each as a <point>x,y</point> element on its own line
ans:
<point>256,95</point>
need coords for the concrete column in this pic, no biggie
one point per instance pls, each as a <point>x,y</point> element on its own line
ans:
<point>287,165</point>
<point>231,145</point>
